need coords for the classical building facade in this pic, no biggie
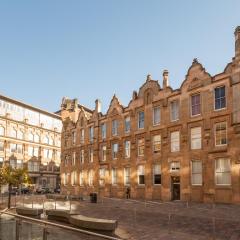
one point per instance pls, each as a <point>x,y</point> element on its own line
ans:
<point>31,138</point>
<point>166,144</point>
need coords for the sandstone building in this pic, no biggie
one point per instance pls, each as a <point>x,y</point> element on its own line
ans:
<point>31,138</point>
<point>166,144</point>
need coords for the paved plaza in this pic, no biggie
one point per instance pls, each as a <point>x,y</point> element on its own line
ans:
<point>157,220</point>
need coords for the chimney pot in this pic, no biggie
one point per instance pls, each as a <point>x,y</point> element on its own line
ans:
<point>165,79</point>
<point>98,106</point>
<point>237,42</point>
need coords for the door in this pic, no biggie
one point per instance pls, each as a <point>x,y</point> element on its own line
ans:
<point>176,188</point>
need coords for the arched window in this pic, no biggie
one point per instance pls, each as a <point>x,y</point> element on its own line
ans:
<point>20,134</point>
<point>2,131</point>
<point>36,138</point>
<point>30,137</point>
<point>13,133</point>
<point>46,140</point>
<point>51,141</point>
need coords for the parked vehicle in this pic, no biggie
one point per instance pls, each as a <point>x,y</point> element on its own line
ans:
<point>14,191</point>
<point>43,190</point>
<point>25,190</point>
<point>57,190</point>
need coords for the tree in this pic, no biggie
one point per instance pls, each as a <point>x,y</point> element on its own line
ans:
<point>13,177</point>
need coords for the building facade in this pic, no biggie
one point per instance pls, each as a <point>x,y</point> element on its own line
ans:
<point>166,144</point>
<point>31,138</point>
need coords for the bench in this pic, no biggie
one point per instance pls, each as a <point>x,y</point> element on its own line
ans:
<point>93,223</point>
<point>59,215</point>
<point>56,196</point>
<point>33,212</point>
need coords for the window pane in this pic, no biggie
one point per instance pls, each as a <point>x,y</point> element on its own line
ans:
<point>127,124</point>
<point>156,116</point>
<point>223,171</point>
<point>221,133</point>
<point>141,120</point>
<point>220,98</point>
<point>141,147</point>
<point>156,143</point>
<point>175,144</point>
<point>196,172</point>
<point>196,141</point>
<point>174,110</point>
<point>157,174</point>
<point>195,104</point>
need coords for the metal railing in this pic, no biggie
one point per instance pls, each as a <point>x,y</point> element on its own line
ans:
<point>214,221</point>
<point>18,227</point>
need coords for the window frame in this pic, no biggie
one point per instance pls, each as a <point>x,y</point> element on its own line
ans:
<point>196,184</point>
<point>153,116</point>
<point>138,175</point>
<point>103,156</point>
<point>104,130</point>
<point>91,134</point>
<point>171,110</point>
<point>91,154</point>
<point>200,105</point>
<point>126,130</point>
<point>154,143</point>
<point>171,142</point>
<point>154,174</point>
<point>139,122</point>
<point>215,134</point>
<point>115,154</point>
<point>114,181</point>
<point>125,176</point>
<point>127,150</point>
<point>230,172</point>
<point>215,98</point>
<point>142,145</point>
<point>114,127</point>
<point>191,138</point>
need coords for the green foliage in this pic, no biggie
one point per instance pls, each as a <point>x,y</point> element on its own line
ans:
<point>13,177</point>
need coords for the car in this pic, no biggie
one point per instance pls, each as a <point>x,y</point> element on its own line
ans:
<point>57,190</point>
<point>14,191</point>
<point>43,190</point>
<point>39,190</point>
<point>25,190</point>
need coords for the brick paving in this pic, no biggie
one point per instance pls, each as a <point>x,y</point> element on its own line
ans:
<point>156,220</point>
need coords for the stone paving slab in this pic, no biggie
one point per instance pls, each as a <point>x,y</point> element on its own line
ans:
<point>157,220</point>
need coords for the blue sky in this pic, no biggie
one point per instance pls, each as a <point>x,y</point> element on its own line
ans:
<point>95,48</point>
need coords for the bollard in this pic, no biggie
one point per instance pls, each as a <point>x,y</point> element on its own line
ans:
<point>70,203</point>
<point>23,200</point>
<point>32,201</point>
<point>55,203</point>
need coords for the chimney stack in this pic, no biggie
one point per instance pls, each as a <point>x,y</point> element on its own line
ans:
<point>98,106</point>
<point>165,79</point>
<point>237,42</point>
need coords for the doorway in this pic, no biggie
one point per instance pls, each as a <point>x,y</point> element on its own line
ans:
<point>175,187</point>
